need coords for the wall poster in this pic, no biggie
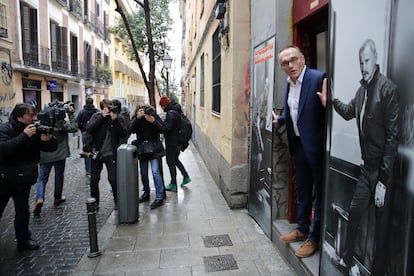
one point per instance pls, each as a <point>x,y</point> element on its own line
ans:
<point>259,204</point>
<point>369,187</point>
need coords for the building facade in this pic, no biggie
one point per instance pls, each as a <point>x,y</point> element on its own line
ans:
<point>62,51</point>
<point>215,60</point>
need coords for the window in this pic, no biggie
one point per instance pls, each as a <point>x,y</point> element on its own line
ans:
<point>74,55</point>
<point>98,58</point>
<point>29,35</point>
<point>216,62</point>
<point>202,80</point>
<point>89,71</point>
<point>58,47</point>
<point>106,60</point>
<point>3,18</point>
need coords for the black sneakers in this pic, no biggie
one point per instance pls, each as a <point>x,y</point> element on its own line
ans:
<point>26,246</point>
<point>157,203</point>
<point>143,198</point>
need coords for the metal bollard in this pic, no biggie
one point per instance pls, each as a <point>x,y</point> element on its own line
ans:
<point>93,236</point>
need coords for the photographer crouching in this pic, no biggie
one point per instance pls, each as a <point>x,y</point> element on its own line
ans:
<point>54,116</point>
<point>20,146</point>
<point>107,129</point>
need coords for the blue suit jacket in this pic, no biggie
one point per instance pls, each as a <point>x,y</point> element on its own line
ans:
<point>311,118</point>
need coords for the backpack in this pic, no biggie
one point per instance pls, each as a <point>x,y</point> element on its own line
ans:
<point>185,130</point>
<point>88,145</point>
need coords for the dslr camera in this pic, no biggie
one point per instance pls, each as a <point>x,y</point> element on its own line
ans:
<point>95,155</point>
<point>114,109</point>
<point>43,129</point>
<point>149,111</point>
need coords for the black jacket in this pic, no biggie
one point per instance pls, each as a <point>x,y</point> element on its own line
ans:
<point>84,115</point>
<point>379,138</point>
<point>17,148</point>
<point>145,130</point>
<point>98,127</point>
<point>20,153</point>
<point>171,125</point>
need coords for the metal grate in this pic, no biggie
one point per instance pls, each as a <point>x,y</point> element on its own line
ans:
<point>219,263</point>
<point>217,241</point>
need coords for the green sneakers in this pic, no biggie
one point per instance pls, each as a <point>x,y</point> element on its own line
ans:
<point>185,181</point>
<point>171,187</point>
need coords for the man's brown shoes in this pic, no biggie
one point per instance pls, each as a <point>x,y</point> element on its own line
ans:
<point>293,236</point>
<point>307,249</point>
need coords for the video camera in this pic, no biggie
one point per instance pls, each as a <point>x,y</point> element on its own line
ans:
<point>54,112</point>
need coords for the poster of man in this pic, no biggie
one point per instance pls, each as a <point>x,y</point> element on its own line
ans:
<point>261,135</point>
<point>364,136</point>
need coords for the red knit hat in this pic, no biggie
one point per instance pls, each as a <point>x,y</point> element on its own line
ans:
<point>165,101</point>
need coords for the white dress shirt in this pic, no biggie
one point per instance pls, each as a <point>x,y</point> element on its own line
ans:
<point>293,99</point>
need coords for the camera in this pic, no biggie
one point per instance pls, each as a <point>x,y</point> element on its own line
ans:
<point>69,107</point>
<point>95,155</point>
<point>149,111</point>
<point>43,129</point>
<point>114,109</point>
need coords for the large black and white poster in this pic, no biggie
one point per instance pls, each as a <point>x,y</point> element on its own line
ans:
<point>261,135</point>
<point>369,191</point>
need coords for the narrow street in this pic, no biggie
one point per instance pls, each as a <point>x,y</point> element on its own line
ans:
<point>62,231</point>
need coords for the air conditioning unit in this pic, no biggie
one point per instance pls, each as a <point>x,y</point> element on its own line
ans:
<point>220,10</point>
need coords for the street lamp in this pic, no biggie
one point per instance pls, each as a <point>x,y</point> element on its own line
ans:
<point>167,61</point>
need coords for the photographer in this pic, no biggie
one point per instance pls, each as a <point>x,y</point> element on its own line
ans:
<point>57,159</point>
<point>148,135</point>
<point>20,145</point>
<point>107,129</point>
<point>83,117</point>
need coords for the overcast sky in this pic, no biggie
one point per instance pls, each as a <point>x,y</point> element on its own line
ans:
<point>175,41</point>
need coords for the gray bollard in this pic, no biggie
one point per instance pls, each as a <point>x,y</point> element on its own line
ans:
<point>93,236</point>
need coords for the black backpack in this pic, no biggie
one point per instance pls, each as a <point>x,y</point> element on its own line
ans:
<point>185,130</point>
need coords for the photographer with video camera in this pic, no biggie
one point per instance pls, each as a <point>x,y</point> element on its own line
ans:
<point>55,116</point>
<point>150,150</point>
<point>107,129</point>
<point>20,146</point>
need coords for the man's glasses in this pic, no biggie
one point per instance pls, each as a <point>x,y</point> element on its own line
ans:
<point>287,62</point>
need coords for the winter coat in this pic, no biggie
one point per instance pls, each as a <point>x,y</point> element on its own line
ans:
<point>60,132</point>
<point>18,151</point>
<point>84,115</point>
<point>170,126</point>
<point>98,127</point>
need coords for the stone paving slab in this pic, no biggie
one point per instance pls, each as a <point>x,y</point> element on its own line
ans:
<point>169,240</point>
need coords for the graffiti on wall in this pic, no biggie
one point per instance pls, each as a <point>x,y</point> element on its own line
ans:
<point>6,105</point>
<point>241,129</point>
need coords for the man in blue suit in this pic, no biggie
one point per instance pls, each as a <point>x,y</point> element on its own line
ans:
<point>304,117</point>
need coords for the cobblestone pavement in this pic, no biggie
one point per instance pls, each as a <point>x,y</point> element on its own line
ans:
<point>62,231</point>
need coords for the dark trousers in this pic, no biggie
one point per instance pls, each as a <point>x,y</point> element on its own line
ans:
<point>173,152</point>
<point>20,195</point>
<point>96,169</point>
<point>363,197</point>
<point>308,187</point>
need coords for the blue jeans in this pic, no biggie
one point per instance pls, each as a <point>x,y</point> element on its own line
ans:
<point>44,171</point>
<point>87,160</point>
<point>159,187</point>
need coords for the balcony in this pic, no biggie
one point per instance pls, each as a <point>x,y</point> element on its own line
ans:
<point>75,7</point>
<point>37,57</point>
<point>60,64</point>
